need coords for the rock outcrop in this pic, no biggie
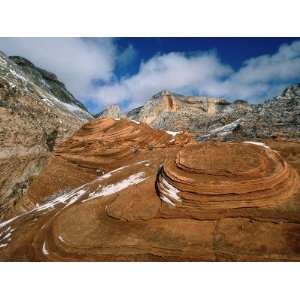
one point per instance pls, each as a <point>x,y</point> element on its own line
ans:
<point>277,117</point>
<point>111,111</point>
<point>216,118</point>
<point>32,120</point>
<point>198,115</point>
<point>107,144</point>
<point>105,195</point>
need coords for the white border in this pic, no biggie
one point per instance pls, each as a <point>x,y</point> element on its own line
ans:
<point>118,18</point>
<point>149,280</point>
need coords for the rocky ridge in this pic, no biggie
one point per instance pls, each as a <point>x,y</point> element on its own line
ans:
<point>215,118</point>
<point>32,121</point>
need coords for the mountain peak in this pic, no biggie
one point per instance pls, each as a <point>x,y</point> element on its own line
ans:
<point>112,111</point>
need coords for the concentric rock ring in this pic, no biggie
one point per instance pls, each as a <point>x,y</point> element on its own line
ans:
<point>225,175</point>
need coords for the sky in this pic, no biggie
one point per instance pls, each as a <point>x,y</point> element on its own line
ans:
<point>128,71</point>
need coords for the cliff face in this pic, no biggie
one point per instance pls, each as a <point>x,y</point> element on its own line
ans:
<point>198,115</point>
<point>33,118</point>
<point>210,118</point>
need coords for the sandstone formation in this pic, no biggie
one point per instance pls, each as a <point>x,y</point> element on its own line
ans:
<point>200,178</point>
<point>32,120</point>
<point>107,195</point>
<point>100,146</point>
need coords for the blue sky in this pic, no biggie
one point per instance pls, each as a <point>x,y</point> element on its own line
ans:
<point>127,71</point>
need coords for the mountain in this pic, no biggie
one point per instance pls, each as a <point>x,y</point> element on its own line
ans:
<point>277,117</point>
<point>198,115</point>
<point>120,190</point>
<point>36,112</point>
<point>208,117</point>
<point>47,81</point>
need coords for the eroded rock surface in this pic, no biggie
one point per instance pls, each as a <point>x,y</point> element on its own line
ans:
<point>105,195</point>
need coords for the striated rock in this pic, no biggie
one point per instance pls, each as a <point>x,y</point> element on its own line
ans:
<point>107,144</point>
<point>199,178</point>
<point>174,201</point>
<point>32,121</point>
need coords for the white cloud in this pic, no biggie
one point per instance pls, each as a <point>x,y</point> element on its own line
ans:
<point>77,62</point>
<point>173,71</point>
<point>265,75</point>
<point>205,74</point>
<point>80,62</point>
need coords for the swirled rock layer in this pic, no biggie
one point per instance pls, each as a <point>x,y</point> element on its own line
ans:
<point>107,142</point>
<point>173,201</point>
<point>225,176</point>
<point>100,146</point>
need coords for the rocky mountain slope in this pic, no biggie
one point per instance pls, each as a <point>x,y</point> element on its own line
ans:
<point>36,111</point>
<point>176,112</point>
<point>277,117</point>
<point>207,117</point>
<point>121,190</point>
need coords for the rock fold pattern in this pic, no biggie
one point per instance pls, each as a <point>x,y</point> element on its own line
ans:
<point>226,176</point>
<point>118,190</point>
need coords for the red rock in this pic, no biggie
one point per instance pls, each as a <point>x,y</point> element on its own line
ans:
<point>225,201</point>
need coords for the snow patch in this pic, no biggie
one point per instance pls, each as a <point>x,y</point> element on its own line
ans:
<point>173,133</point>
<point>45,250</point>
<point>107,175</point>
<point>165,199</point>
<point>258,144</point>
<point>18,75</point>
<point>229,127</point>
<point>169,192</point>
<point>136,122</point>
<point>119,186</point>
<point>61,239</point>
<point>66,198</point>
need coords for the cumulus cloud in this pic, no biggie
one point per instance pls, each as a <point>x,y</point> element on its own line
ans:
<point>90,68</point>
<point>175,71</point>
<point>77,62</point>
<point>266,75</point>
<point>204,74</point>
